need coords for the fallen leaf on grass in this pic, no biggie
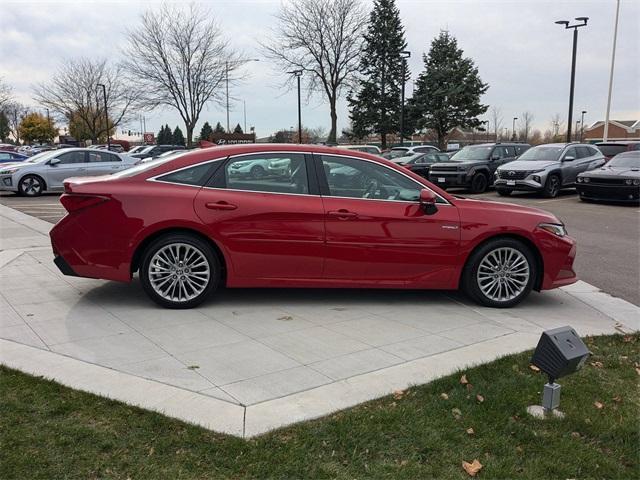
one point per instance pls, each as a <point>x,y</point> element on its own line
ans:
<point>480,398</point>
<point>598,405</point>
<point>638,370</point>
<point>617,399</point>
<point>575,434</point>
<point>151,451</point>
<point>457,414</point>
<point>519,449</point>
<point>444,396</point>
<point>470,431</point>
<point>472,468</point>
<point>469,387</point>
<point>596,364</point>
<point>463,380</point>
<point>534,368</point>
<point>627,338</point>
<point>398,394</point>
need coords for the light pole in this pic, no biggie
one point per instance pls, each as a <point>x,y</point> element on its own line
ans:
<point>298,74</point>
<point>106,114</point>
<point>486,126</point>
<point>582,125</point>
<point>575,27</point>
<point>244,106</point>
<point>613,61</point>
<point>513,130</point>
<point>403,55</point>
<point>576,134</point>
<point>226,70</point>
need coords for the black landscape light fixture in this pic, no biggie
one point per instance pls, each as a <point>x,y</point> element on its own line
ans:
<point>403,55</point>
<point>560,352</point>
<point>582,23</point>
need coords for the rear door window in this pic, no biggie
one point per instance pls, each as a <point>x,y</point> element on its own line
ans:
<point>71,158</point>
<point>196,175</point>
<point>611,150</point>
<point>268,172</point>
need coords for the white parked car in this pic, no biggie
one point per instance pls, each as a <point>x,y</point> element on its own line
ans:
<point>397,152</point>
<point>47,171</point>
<point>372,149</point>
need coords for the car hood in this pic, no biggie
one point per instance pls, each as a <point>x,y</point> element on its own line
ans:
<point>14,164</point>
<point>528,165</point>
<point>506,209</point>
<point>614,172</point>
<point>456,163</point>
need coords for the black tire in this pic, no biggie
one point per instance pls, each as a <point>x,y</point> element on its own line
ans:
<point>31,186</point>
<point>504,192</point>
<point>212,260</point>
<point>552,186</point>
<point>479,183</point>
<point>470,284</point>
<point>257,171</point>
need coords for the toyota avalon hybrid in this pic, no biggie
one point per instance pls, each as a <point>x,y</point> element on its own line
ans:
<point>326,217</point>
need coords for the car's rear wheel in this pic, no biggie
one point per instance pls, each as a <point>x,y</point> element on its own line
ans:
<point>258,172</point>
<point>31,186</point>
<point>504,192</point>
<point>500,273</point>
<point>551,186</point>
<point>179,271</point>
<point>479,183</point>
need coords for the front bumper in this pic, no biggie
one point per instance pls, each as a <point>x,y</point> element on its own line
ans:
<point>449,179</point>
<point>558,256</point>
<point>524,185</point>
<point>616,193</point>
<point>7,184</point>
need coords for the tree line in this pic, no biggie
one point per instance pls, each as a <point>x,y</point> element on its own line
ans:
<point>179,58</point>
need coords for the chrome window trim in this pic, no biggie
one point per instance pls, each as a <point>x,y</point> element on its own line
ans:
<point>155,178</point>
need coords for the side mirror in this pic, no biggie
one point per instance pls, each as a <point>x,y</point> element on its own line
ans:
<point>428,201</point>
<point>54,161</point>
<point>568,158</point>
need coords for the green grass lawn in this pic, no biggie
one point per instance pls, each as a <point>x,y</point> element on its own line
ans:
<point>53,432</point>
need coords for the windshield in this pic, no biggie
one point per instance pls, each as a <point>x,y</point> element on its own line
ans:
<point>146,149</point>
<point>625,160</point>
<point>472,153</point>
<point>42,157</point>
<point>542,153</point>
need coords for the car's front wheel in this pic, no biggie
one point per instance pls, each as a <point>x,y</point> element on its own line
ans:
<point>31,186</point>
<point>500,273</point>
<point>179,271</point>
<point>479,183</point>
<point>552,186</point>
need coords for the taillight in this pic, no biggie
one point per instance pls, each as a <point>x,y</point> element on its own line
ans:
<point>73,202</point>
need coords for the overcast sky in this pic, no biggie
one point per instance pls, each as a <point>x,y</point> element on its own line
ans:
<point>520,53</point>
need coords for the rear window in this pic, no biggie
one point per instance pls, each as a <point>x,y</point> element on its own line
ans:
<point>611,150</point>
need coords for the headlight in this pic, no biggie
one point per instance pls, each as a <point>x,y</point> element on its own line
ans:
<point>579,179</point>
<point>628,181</point>
<point>555,228</point>
<point>586,179</point>
<point>636,181</point>
<point>9,171</point>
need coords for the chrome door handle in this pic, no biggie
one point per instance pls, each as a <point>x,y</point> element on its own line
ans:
<point>221,205</point>
<point>342,214</point>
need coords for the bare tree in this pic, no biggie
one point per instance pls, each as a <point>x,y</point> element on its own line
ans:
<point>178,58</point>
<point>73,94</point>
<point>495,114</point>
<point>15,112</point>
<point>5,93</point>
<point>525,122</point>
<point>323,38</point>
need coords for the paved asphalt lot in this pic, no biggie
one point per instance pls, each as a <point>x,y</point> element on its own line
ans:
<point>608,235</point>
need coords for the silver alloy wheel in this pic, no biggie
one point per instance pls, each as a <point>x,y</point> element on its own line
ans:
<point>31,186</point>
<point>179,272</point>
<point>503,274</point>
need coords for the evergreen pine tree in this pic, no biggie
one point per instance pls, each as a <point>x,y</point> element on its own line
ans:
<point>178,137</point>
<point>219,128</point>
<point>206,131</point>
<point>238,129</point>
<point>375,104</point>
<point>448,91</point>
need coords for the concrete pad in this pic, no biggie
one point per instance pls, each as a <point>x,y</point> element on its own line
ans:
<point>248,361</point>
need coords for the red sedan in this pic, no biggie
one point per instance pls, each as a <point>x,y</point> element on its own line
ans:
<point>301,216</point>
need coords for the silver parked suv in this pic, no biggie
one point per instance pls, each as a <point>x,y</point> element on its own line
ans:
<point>47,171</point>
<point>547,168</point>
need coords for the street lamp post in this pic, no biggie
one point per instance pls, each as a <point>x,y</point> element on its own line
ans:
<point>575,27</point>
<point>226,70</point>
<point>513,130</point>
<point>582,125</point>
<point>613,62</point>
<point>106,114</point>
<point>486,126</point>
<point>576,134</point>
<point>298,74</point>
<point>404,55</point>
